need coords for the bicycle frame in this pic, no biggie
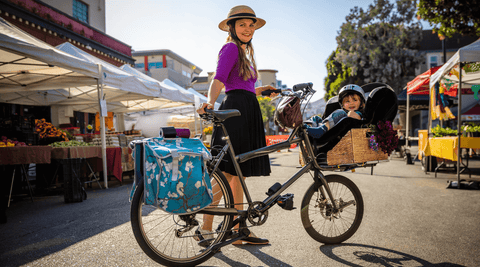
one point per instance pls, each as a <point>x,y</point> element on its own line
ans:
<point>306,150</point>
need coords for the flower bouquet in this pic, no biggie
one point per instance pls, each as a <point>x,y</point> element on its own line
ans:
<point>383,137</point>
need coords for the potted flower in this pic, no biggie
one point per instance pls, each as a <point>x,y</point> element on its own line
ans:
<point>207,132</point>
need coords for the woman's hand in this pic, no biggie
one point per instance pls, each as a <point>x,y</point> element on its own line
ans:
<point>260,89</point>
<point>202,107</point>
<point>353,114</point>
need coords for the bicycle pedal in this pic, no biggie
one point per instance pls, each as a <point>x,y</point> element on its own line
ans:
<point>286,202</point>
<point>273,189</point>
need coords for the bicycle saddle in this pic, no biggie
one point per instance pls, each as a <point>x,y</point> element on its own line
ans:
<point>222,115</point>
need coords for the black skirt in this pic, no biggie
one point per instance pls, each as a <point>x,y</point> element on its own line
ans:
<point>246,133</point>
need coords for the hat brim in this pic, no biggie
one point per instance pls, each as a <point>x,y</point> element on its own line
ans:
<point>224,27</point>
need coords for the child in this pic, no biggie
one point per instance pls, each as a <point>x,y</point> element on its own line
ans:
<point>352,99</point>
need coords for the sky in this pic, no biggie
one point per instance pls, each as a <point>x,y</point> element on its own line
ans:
<point>296,40</point>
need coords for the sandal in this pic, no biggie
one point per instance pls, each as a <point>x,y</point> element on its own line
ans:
<point>204,237</point>
<point>252,239</point>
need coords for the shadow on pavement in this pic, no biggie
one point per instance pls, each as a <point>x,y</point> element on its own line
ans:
<point>48,225</point>
<point>366,255</point>
<point>257,252</point>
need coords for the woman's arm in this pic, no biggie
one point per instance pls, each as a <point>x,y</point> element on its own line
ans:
<point>215,88</point>
<point>260,89</point>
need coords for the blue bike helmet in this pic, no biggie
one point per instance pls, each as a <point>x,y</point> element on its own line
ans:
<point>349,89</point>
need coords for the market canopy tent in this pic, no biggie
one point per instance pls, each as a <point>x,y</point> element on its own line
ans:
<point>419,85</point>
<point>463,69</point>
<point>28,64</point>
<point>169,97</point>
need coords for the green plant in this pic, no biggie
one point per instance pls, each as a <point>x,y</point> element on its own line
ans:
<point>439,131</point>
<point>472,128</point>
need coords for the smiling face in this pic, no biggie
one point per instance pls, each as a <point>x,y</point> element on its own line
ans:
<point>244,28</point>
<point>351,102</point>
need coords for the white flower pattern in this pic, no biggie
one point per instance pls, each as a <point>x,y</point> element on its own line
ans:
<point>190,192</point>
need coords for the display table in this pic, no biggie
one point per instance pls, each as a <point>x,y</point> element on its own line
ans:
<point>20,156</point>
<point>77,152</point>
<point>114,162</point>
<point>447,147</point>
<point>25,155</point>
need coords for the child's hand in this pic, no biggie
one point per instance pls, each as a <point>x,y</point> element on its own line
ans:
<point>353,114</point>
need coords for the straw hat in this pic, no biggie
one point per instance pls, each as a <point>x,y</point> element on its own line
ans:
<point>241,12</point>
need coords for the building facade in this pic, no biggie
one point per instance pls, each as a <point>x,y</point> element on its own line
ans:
<point>165,64</point>
<point>81,23</point>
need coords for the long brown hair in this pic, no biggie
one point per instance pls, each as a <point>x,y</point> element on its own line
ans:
<point>245,57</point>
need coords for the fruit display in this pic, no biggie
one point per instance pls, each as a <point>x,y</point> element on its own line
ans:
<point>5,142</point>
<point>71,143</point>
<point>47,130</point>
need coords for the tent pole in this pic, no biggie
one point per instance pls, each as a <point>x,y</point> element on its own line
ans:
<point>407,130</point>
<point>459,123</point>
<point>102,125</point>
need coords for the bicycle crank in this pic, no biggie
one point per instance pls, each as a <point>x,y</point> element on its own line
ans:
<point>255,216</point>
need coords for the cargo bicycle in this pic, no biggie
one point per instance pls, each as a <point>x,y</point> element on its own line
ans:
<point>331,209</point>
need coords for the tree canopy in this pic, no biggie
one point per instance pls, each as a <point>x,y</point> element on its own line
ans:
<point>376,45</point>
<point>451,16</point>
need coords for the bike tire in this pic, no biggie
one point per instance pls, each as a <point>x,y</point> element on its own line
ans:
<point>156,230</point>
<point>324,226</point>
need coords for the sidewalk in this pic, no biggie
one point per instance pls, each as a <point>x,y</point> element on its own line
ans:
<point>410,219</point>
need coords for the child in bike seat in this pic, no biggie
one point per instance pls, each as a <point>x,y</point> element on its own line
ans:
<point>352,99</point>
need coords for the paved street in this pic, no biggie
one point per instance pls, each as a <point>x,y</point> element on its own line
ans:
<point>410,219</point>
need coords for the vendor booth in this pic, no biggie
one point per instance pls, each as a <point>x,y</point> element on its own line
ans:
<point>37,74</point>
<point>461,71</point>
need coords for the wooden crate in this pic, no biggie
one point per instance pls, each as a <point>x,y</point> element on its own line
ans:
<point>354,148</point>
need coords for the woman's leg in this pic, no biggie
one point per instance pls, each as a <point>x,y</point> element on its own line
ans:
<point>237,198</point>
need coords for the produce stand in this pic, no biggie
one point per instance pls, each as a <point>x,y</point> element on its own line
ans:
<point>460,71</point>
<point>447,147</point>
<point>20,156</point>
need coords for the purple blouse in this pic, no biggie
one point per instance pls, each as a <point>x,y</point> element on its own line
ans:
<point>227,71</point>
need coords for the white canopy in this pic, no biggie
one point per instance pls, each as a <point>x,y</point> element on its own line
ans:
<point>169,96</point>
<point>30,65</point>
<point>464,69</point>
<point>466,54</point>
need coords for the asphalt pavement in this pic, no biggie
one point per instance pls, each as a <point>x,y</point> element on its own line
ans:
<point>410,219</point>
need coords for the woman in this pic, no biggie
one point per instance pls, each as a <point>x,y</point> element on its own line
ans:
<point>237,72</point>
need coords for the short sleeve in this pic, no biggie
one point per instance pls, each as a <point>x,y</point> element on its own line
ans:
<point>227,59</point>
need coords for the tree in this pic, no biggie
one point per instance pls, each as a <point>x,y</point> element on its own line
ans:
<point>451,16</point>
<point>379,45</point>
<point>337,76</point>
<point>267,109</point>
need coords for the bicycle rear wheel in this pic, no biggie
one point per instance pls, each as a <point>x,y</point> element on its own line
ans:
<point>319,219</point>
<point>170,239</point>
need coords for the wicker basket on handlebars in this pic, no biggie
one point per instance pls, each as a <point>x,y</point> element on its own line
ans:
<point>354,148</point>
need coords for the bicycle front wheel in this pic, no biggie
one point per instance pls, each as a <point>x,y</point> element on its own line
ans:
<point>319,218</point>
<point>171,239</point>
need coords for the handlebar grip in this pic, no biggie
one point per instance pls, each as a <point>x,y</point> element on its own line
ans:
<point>269,92</point>
<point>302,86</point>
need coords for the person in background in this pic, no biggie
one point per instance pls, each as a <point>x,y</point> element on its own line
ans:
<point>237,73</point>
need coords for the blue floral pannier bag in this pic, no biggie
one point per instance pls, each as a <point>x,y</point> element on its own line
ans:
<point>176,178</point>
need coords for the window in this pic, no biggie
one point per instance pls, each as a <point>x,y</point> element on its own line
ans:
<point>139,65</point>
<point>80,11</point>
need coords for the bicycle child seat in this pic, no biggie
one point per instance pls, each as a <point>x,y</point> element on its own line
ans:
<point>381,105</point>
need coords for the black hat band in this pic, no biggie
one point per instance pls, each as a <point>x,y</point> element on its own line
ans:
<point>243,15</point>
